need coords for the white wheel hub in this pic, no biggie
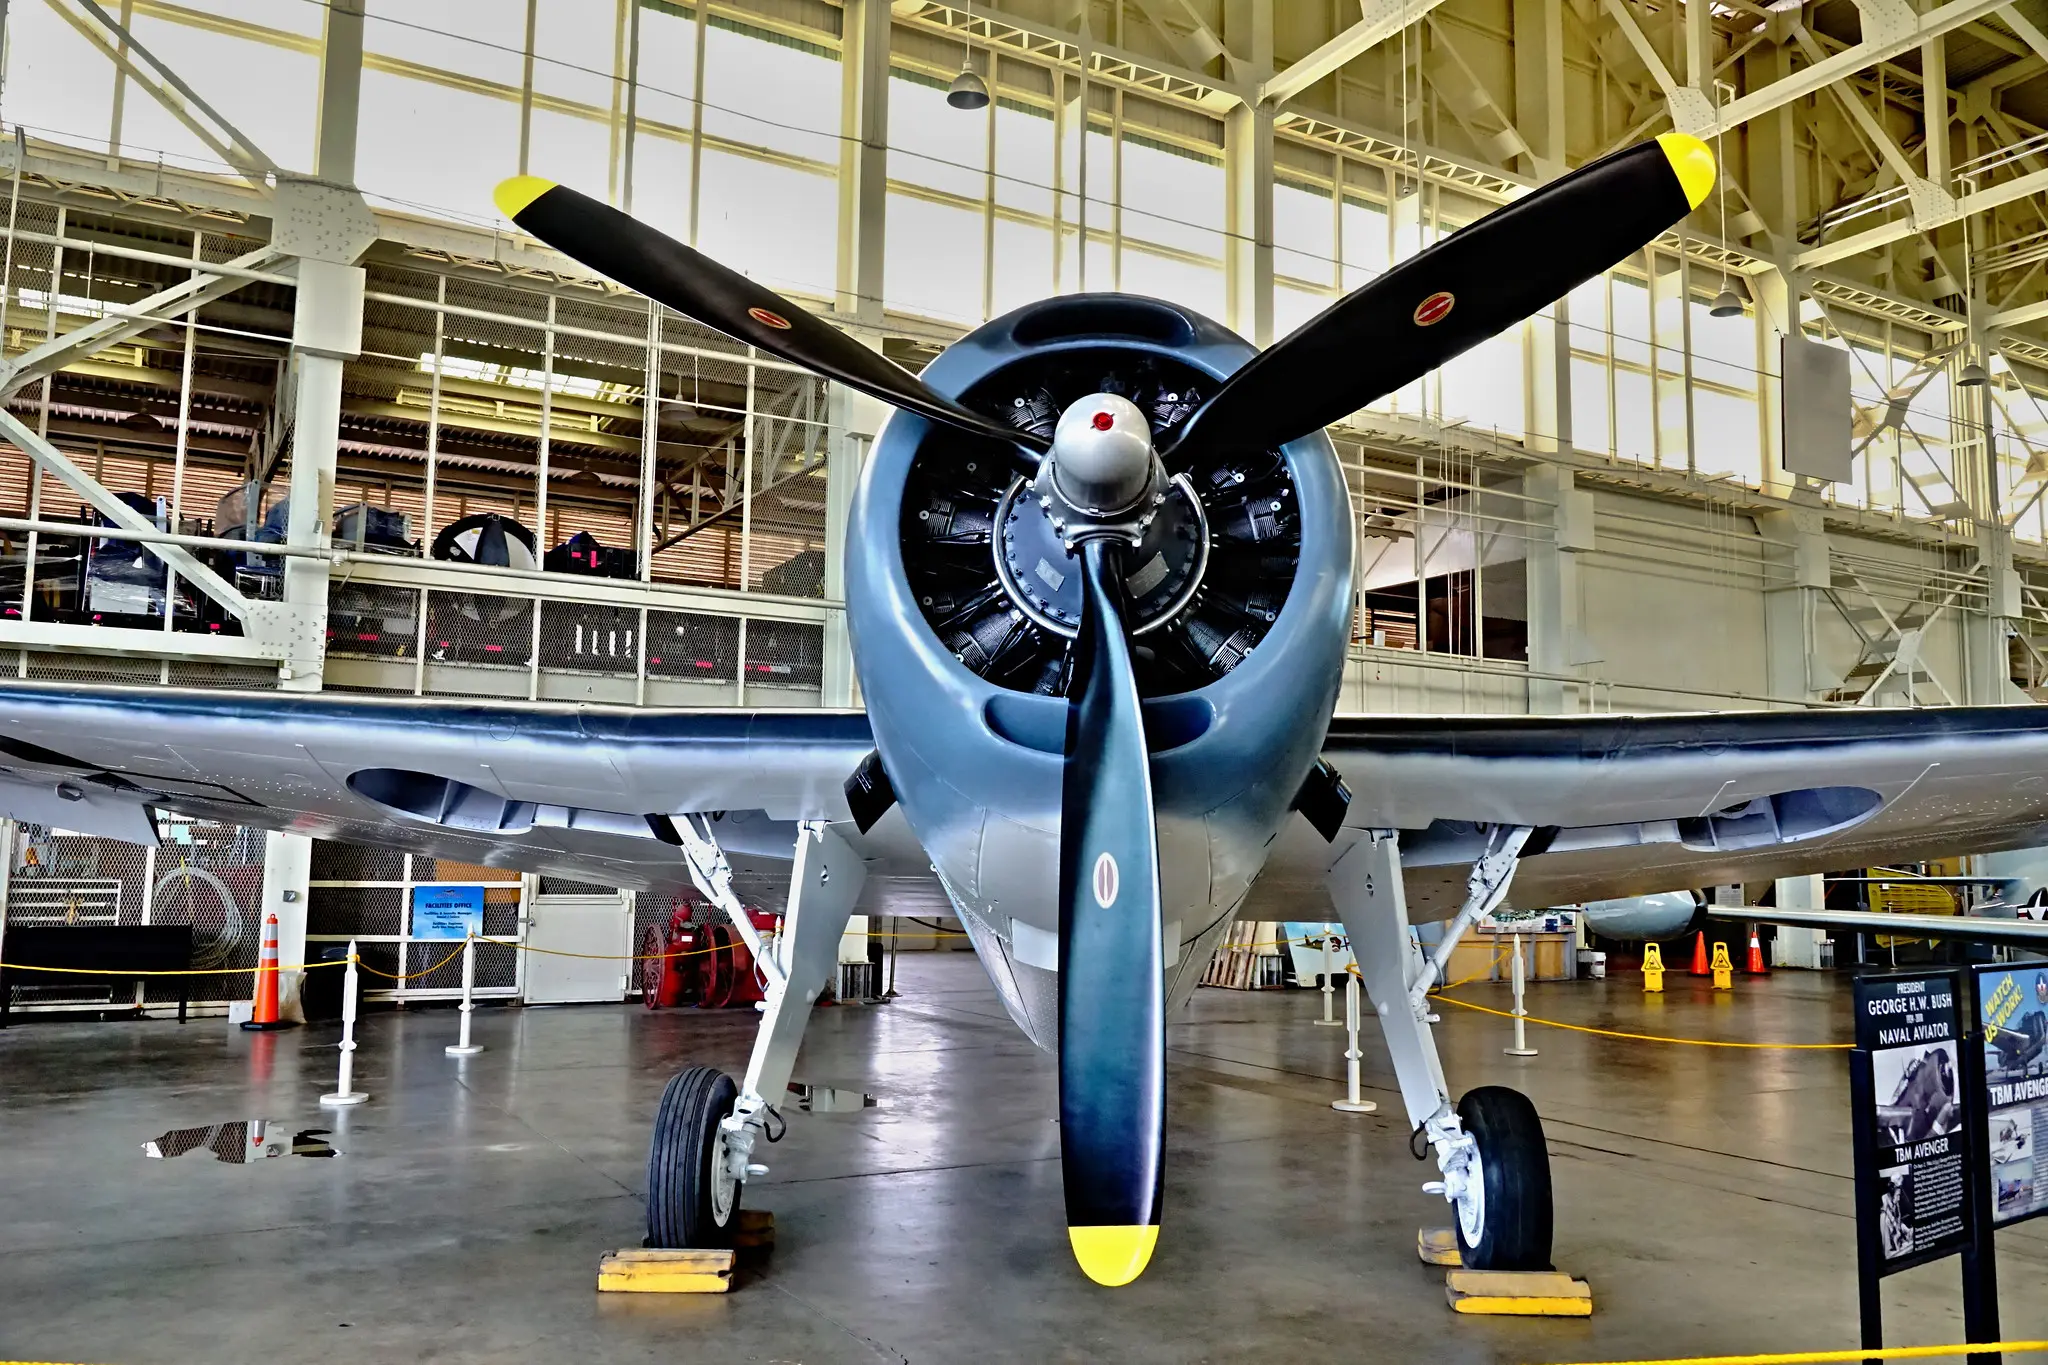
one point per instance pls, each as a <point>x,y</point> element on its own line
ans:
<point>725,1187</point>
<point>1465,1187</point>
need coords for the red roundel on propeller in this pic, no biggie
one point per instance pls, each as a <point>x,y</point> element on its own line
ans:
<point>1435,308</point>
<point>768,319</point>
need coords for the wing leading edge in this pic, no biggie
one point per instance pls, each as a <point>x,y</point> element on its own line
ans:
<point>1627,805</point>
<point>573,791</point>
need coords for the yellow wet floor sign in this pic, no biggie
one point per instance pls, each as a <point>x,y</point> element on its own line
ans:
<point>1724,970</point>
<point>1653,968</point>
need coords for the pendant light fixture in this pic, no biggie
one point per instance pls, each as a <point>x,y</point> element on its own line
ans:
<point>1727,303</point>
<point>968,90</point>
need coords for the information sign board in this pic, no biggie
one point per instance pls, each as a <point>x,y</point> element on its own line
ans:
<point>2012,1005</point>
<point>1913,1158</point>
<point>447,912</point>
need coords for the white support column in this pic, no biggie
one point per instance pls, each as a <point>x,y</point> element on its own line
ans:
<point>341,85</point>
<point>1072,214</point>
<point>1540,86</point>
<point>322,220</point>
<point>1800,538</point>
<point>1934,92</point>
<point>1777,308</point>
<point>1556,634</point>
<point>1987,662</point>
<point>1248,258</point>
<point>287,871</point>
<point>864,165</point>
<point>852,421</point>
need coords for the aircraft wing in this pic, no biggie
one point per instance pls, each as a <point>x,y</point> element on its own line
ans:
<point>2017,933</point>
<point>1626,805</point>
<point>581,792</point>
<point>1622,805</point>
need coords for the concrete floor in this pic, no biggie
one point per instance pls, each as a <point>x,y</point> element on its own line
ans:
<point>1703,1192</point>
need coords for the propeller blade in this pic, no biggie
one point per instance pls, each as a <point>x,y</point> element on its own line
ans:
<point>1112,1008</point>
<point>1445,300</point>
<point>693,284</point>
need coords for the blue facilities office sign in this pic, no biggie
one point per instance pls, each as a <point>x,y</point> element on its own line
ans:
<point>447,912</point>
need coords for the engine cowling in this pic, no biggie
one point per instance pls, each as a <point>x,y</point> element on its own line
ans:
<point>956,578</point>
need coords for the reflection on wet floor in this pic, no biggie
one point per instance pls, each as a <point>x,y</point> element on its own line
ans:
<point>828,1099</point>
<point>241,1141</point>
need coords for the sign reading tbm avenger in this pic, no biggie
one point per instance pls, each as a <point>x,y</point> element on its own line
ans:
<point>2013,1005</point>
<point>1913,1158</point>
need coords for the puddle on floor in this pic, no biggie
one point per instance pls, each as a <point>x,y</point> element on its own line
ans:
<point>829,1099</point>
<point>241,1141</point>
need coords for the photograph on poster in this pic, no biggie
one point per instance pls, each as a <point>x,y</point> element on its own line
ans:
<point>2011,1137</point>
<point>2013,1005</point>
<point>1916,1090</point>
<point>1894,1217</point>
<point>2013,1187</point>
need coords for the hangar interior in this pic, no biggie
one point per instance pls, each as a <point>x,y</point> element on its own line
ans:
<point>260,312</point>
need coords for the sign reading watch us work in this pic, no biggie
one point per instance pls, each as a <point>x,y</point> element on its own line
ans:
<point>447,912</point>
<point>1913,1158</point>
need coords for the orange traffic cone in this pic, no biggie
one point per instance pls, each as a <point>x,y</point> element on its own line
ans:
<point>1699,954</point>
<point>1755,965</point>
<point>263,1015</point>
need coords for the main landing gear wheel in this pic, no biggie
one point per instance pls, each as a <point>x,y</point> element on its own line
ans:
<point>692,1198</point>
<point>1503,1201</point>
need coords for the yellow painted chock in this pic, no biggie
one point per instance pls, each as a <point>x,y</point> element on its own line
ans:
<point>1519,1293</point>
<point>1438,1246</point>
<point>653,1270</point>
<point>1653,969</point>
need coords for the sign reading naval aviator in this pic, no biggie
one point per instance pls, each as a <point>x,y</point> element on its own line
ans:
<point>1913,1161</point>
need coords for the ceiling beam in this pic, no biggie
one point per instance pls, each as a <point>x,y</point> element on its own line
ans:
<point>1892,28</point>
<point>2019,187</point>
<point>1382,20</point>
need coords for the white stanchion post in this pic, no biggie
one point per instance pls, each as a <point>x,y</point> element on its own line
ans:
<point>1521,1047</point>
<point>1351,1103</point>
<point>462,1047</point>
<point>344,1083</point>
<point>1329,1019</point>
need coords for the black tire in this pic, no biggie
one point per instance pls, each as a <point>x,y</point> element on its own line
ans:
<point>1514,1167</point>
<point>680,1181</point>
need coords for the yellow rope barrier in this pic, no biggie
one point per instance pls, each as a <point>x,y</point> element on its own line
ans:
<point>1646,1037</point>
<point>1861,1353</point>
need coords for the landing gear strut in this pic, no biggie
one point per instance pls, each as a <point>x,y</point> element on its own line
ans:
<point>1489,1147</point>
<point>705,1129</point>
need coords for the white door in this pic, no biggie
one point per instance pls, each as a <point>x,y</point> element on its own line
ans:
<point>597,926</point>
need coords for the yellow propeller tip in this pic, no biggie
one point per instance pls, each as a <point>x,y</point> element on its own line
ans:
<point>1692,161</point>
<point>514,195</point>
<point>1113,1255</point>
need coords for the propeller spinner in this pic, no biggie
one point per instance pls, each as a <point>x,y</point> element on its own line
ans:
<point>1100,492</point>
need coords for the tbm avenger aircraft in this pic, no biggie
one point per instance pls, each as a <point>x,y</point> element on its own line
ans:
<point>1098,587</point>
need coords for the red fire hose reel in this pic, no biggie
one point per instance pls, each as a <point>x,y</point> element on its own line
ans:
<point>706,965</point>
